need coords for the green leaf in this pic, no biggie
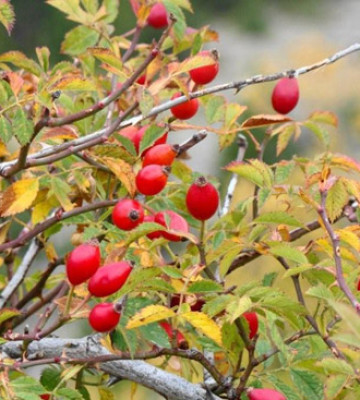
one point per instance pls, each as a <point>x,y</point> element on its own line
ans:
<point>321,133</point>
<point>237,307</point>
<point>288,252</point>
<point>156,334</point>
<point>278,217</point>
<point>321,292</point>
<point>7,15</point>
<point>91,5</point>
<point>307,383</point>
<point>7,313</point>
<point>137,277</point>
<point>297,270</point>
<point>209,344</point>
<point>283,171</point>
<point>21,61</point>
<point>275,335</point>
<point>279,385</point>
<point>67,393</point>
<point>112,9</point>
<point>254,171</point>
<point>337,197</point>
<point>5,129</point>
<point>157,285</point>
<point>284,138</point>
<point>22,127</point>
<point>172,272</point>
<point>78,40</point>
<point>126,142</point>
<point>334,385</point>
<point>142,230</point>
<point>27,384</point>
<point>50,378</point>
<point>336,366</point>
<point>43,55</point>
<point>217,305</point>
<point>214,109</point>
<point>232,341</point>
<point>152,133</point>
<point>60,189</point>
<point>205,286</point>
<point>180,25</point>
<point>349,316</point>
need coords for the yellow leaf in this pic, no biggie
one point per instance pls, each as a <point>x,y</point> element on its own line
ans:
<point>18,197</point>
<point>124,172</point>
<point>42,209</point>
<point>148,315</point>
<point>204,324</point>
<point>50,252</point>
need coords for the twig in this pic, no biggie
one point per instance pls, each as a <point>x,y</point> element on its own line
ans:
<point>238,85</point>
<point>37,289</point>
<point>295,278</point>
<point>335,242</point>
<point>57,291</point>
<point>242,146</point>
<point>20,273</point>
<point>195,139</point>
<point>59,216</point>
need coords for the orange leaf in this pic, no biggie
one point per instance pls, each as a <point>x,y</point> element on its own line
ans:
<point>262,119</point>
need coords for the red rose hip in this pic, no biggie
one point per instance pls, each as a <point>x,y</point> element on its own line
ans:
<point>265,394</point>
<point>109,279</point>
<point>285,95</point>
<point>184,110</point>
<point>207,73</point>
<point>202,199</point>
<point>253,322</point>
<point>82,263</point>
<point>104,317</point>
<point>158,17</point>
<point>127,214</point>
<point>161,154</point>
<point>152,179</point>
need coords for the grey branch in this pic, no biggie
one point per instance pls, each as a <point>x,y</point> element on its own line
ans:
<point>95,137</point>
<point>242,146</point>
<point>19,276</point>
<point>170,386</point>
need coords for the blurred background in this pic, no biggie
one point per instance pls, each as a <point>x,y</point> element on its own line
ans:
<point>256,37</point>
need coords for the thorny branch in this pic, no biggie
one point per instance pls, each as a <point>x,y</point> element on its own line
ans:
<point>6,167</point>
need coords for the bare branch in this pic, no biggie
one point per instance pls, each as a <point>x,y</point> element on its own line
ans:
<point>168,385</point>
<point>23,268</point>
<point>335,242</point>
<point>59,216</point>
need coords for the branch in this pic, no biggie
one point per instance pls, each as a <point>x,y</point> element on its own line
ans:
<point>19,276</point>
<point>242,146</point>
<point>59,216</point>
<point>168,385</point>
<point>335,242</point>
<point>237,85</point>
<point>331,344</point>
